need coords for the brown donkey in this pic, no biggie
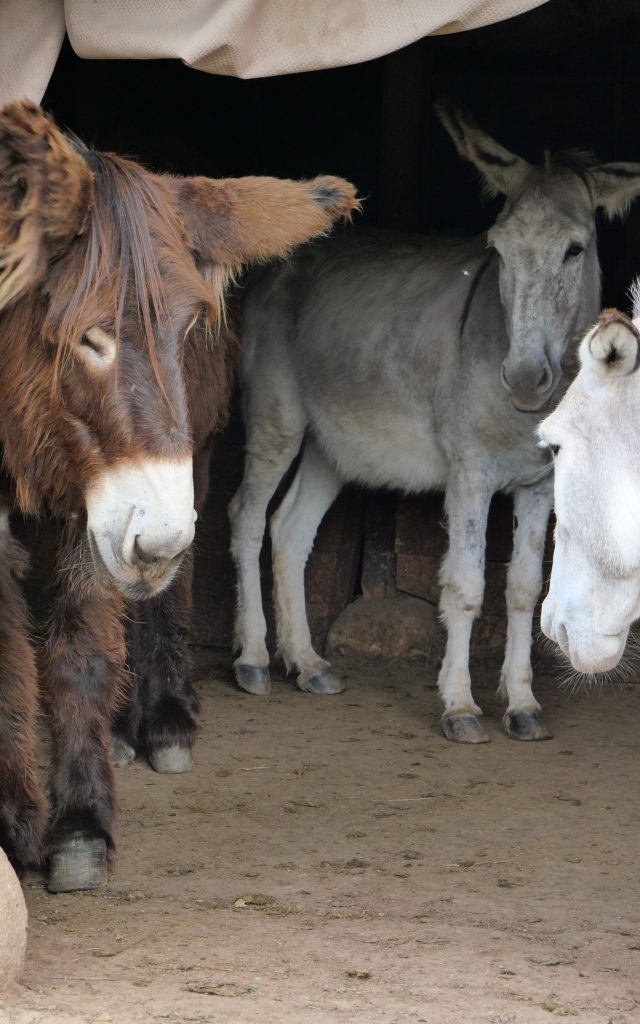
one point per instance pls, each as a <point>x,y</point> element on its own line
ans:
<point>115,372</point>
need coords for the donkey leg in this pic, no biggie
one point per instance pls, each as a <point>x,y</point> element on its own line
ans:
<point>462,577</point>
<point>263,472</point>
<point>125,737</point>
<point>83,669</point>
<point>22,802</point>
<point>531,506</point>
<point>164,715</point>
<point>170,703</point>
<point>293,529</point>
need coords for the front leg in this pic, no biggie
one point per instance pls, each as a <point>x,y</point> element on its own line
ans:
<point>531,508</point>
<point>467,501</point>
<point>82,674</point>
<point>22,803</point>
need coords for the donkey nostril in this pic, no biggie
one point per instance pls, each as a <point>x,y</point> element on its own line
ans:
<point>545,381</point>
<point>158,555</point>
<point>146,557</point>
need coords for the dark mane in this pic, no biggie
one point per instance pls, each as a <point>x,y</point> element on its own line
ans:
<point>573,161</point>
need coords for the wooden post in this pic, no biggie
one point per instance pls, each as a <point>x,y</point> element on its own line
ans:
<point>404,120</point>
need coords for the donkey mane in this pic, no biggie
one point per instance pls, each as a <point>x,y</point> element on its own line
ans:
<point>577,161</point>
<point>128,262</point>
<point>132,233</point>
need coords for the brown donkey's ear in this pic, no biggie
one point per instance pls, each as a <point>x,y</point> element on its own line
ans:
<point>45,196</point>
<point>237,221</point>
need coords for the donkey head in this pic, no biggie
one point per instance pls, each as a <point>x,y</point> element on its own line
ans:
<point>594,593</point>
<point>545,239</point>
<point>104,269</point>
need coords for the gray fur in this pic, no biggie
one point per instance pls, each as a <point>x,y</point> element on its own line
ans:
<point>357,345</point>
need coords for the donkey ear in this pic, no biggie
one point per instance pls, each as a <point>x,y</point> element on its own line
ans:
<point>45,195</point>
<point>236,221</point>
<point>501,170</point>
<point>610,349</point>
<point>615,187</point>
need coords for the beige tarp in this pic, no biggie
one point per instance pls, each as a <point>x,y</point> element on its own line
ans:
<point>244,38</point>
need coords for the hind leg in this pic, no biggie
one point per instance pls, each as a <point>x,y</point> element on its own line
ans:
<point>265,465</point>
<point>161,713</point>
<point>125,736</point>
<point>531,507</point>
<point>169,701</point>
<point>293,528</point>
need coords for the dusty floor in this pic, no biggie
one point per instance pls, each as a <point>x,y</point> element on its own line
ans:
<point>334,859</point>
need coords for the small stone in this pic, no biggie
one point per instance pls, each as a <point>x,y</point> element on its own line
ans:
<point>13,931</point>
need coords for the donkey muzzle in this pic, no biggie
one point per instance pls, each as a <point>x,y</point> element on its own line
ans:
<point>531,386</point>
<point>590,649</point>
<point>140,522</point>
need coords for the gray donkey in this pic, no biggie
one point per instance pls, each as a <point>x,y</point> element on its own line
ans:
<point>421,364</point>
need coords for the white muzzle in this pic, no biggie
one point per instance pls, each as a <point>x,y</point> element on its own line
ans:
<point>140,520</point>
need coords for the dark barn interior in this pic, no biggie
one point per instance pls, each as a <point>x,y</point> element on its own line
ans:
<point>563,75</point>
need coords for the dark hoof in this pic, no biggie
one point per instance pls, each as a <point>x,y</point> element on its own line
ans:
<point>77,862</point>
<point>122,753</point>
<point>525,725</point>
<point>173,760</point>
<point>253,679</point>
<point>324,681</point>
<point>463,729</point>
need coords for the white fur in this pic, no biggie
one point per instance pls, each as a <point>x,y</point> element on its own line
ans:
<point>623,514</point>
<point>594,593</point>
<point>150,503</point>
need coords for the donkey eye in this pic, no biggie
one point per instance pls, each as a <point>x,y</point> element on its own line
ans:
<point>97,349</point>
<point>554,449</point>
<point>574,250</point>
<point>88,343</point>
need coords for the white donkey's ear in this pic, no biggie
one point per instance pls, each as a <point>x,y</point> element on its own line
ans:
<point>615,187</point>
<point>501,170</point>
<point>610,349</point>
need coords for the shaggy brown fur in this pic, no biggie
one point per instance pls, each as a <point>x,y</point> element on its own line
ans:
<point>90,239</point>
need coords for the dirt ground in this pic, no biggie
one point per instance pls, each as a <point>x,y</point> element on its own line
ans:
<point>334,859</point>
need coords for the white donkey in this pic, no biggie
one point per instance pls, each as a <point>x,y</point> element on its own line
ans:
<point>594,594</point>
<point>420,364</point>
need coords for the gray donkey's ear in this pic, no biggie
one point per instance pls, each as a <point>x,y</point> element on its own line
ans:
<point>501,170</point>
<point>615,186</point>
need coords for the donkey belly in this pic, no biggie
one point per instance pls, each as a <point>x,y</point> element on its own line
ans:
<point>382,449</point>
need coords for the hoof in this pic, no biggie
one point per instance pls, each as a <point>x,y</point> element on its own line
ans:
<point>253,679</point>
<point>463,729</point>
<point>325,681</point>
<point>525,725</point>
<point>173,760</point>
<point>122,753</point>
<point>77,862</point>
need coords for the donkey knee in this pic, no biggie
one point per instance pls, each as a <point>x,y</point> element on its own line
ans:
<point>461,599</point>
